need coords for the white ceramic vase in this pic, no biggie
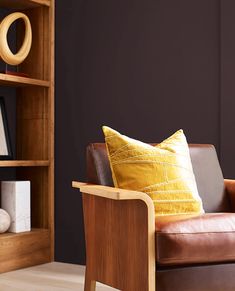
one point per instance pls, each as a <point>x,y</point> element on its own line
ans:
<point>5,221</point>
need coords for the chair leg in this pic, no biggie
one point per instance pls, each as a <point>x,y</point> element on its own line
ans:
<point>90,285</point>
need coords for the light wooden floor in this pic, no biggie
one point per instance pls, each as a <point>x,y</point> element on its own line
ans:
<point>47,277</point>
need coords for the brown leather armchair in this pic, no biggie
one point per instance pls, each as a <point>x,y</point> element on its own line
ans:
<point>128,250</point>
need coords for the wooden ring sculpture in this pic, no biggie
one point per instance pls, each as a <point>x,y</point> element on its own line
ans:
<point>5,53</point>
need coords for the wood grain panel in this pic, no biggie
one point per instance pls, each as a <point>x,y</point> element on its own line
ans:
<point>34,63</point>
<point>116,235</point>
<point>32,139</point>
<point>39,194</point>
<point>32,124</point>
<point>23,250</point>
<point>32,103</point>
<point>48,41</point>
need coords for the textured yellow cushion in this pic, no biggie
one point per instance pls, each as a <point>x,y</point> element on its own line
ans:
<point>163,171</point>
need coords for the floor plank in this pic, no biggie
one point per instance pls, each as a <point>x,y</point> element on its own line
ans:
<point>47,277</point>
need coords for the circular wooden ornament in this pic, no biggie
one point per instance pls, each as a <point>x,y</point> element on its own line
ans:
<point>5,52</point>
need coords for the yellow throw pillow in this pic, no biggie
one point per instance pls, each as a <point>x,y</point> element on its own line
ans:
<point>163,171</point>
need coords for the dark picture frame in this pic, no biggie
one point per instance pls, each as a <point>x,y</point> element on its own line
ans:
<point>5,144</point>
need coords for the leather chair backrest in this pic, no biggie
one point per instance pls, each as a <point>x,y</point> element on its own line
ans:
<point>206,168</point>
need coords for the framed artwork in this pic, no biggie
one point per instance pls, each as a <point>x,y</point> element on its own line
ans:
<point>5,145</point>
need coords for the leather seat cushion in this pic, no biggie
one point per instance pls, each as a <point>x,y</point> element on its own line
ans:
<point>188,239</point>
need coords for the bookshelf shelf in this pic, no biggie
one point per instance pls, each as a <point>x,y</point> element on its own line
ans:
<point>16,81</point>
<point>24,163</point>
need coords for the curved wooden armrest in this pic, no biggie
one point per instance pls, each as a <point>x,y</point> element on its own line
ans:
<point>113,193</point>
<point>230,188</point>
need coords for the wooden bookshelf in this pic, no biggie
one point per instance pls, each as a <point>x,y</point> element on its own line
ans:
<point>34,158</point>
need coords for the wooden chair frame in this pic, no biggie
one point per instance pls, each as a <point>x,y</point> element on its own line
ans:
<point>120,238</point>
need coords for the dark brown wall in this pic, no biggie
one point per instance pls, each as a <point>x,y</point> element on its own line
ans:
<point>146,68</point>
<point>227,97</point>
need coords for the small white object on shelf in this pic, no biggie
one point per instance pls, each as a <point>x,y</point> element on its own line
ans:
<point>5,221</point>
<point>15,199</point>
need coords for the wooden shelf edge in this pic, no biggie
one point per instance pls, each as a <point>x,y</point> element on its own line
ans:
<point>22,4</point>
<point>33,231</point>
<point>18,81</point>
<point>25,249</point>
<point>41,2</point>
<point>24,163</point>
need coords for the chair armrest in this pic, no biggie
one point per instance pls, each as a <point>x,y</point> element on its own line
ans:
<point>132,216</point>
<point>113,193</point>
<point>230,189</point>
